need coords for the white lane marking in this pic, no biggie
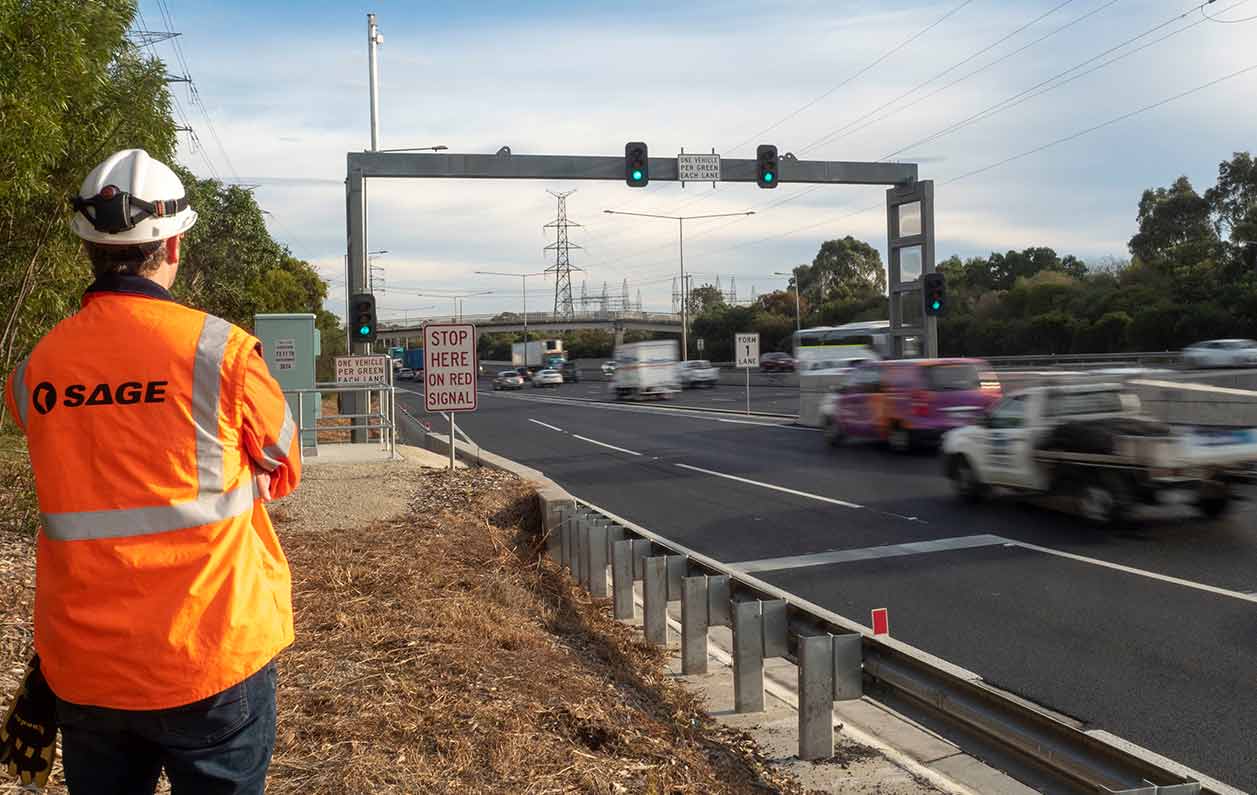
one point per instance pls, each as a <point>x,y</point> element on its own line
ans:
<point>1152,575</point>
<point>867,553</point>
<point>545,425</point>
<point>603,444</point>
<point>783,489</point>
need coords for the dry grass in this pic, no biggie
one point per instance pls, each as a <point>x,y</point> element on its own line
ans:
<point>439,654</point>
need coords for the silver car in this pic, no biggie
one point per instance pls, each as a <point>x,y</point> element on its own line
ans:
<point>547,377</point>
<point>1221,353</point>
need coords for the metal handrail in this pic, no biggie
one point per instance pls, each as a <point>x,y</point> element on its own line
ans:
<point>947,691</point>
<point>386,415</point>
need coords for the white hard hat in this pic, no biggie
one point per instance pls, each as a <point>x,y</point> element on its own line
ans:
<point>131,198</point>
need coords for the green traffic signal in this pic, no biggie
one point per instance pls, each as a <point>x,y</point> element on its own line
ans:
<point>768,176</point>
<point>937,305</point>
<point>637,174</point>
<point>365,330</point>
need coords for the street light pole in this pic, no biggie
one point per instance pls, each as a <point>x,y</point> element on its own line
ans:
<point>798,312</point>
<point>681,219</point>
<point>523,283</point>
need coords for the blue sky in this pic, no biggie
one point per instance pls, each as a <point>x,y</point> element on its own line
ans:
<point>285,86</point>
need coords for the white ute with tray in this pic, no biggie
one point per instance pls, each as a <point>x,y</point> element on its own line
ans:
<point>1090,442</point>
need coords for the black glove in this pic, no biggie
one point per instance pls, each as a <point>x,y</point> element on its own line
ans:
<point>28,735</point>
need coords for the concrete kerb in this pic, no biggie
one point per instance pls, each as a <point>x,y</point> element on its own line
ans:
<point>556,503</point>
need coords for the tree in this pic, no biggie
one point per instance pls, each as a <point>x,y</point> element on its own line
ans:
<point>1174,224</point>
<point>843,270</point>
<point>72,90</point>
<point>704,298</point>
<point>1234,204</point>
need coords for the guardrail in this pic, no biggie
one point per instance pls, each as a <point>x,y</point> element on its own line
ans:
<point>836,657</point>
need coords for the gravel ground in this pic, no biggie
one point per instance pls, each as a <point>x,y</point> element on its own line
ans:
<point>339,496</point>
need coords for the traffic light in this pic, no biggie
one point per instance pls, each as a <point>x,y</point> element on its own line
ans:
<point>766,166</point>
<point>362,326</point>
<point>636,164</point>
<point>934,291</point>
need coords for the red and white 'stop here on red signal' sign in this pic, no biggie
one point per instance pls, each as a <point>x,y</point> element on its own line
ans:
<point>449,357</point>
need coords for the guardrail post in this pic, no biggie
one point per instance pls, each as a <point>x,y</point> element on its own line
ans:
<point>816,697</point>
<point>614,533</point>
<point>694,625</point>
<point>641,550</point>
<point>776,628</point>
<point>566,533</point>
<point>655,600</point>
<point>554,538</point>
<point>719,613</point>
<point>622,579</point>
<point>748,657</point>
<point>676,572</point>
<point>848,667</point>
<point>598,561</point>
<point>581,542</point>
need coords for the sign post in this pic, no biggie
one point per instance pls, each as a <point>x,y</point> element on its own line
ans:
<point>449,366</point>
<point>746,350</point>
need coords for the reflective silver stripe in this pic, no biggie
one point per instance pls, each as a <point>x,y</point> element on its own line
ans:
<point>20,394</point>
<point>206,377</point>
<point>125,522</point>
<point>276,454</point>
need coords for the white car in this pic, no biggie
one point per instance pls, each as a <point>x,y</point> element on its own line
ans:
<point>1221,353</point>
<point>547,377</point>
<point>698,373</point>
<point>404,374</point>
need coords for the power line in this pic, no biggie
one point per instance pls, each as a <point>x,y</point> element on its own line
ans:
<point>854,76</point>
<point>1030,93</point>
<point>1226,21</point>
<point>840,131</point>
<point>1019,156</point>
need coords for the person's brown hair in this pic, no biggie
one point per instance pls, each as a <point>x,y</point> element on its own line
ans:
<point>140,259</point>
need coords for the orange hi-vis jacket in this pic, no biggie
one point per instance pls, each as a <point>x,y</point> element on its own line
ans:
<point>159,578</point>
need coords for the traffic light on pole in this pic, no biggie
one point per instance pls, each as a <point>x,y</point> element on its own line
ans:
<point>766,166</point>
<point>362,326</point>
<point>636,164</point>
<point>934,291</point>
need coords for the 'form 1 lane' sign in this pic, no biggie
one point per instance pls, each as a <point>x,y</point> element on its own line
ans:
<point>449,367</point>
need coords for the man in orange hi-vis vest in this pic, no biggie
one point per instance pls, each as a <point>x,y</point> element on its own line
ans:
<point>162,597</point>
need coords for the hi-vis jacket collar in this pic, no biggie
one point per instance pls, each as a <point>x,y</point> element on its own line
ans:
<point>128,285</point>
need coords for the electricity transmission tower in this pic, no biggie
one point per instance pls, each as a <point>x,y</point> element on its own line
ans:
<point>562,267</point>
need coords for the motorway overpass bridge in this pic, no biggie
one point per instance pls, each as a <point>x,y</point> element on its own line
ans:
<point>543,323</point>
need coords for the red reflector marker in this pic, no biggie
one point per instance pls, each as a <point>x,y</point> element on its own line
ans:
<point>881,621</point>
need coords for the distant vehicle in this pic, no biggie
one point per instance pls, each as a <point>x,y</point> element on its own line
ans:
<point>539,353</point>
<point>911,403</point>
<point>775,362</point>
<point>646,369</point>
<point>608,369</point>
<point>413,358</point>
<point>699,373</point>
<point>1090,443</point>
<point>1221,353</point>
<point>864,340</point>
<point>569,372</point>
<point>508,379</point>
<point>405,374</point>
<point>547,377</point>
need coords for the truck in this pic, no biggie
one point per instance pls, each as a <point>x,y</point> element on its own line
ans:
<point>413,358</point>
<point>646,369</point>
<point>1090,444</point>
<point>538,355</point>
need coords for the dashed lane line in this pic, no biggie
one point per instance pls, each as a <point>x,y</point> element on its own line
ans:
<point>546,425</point>
<point>772,486</point>
<point>603,444</point>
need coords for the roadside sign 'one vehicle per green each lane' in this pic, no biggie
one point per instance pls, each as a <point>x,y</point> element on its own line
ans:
<point>449,365</point>
<point>746,353</point>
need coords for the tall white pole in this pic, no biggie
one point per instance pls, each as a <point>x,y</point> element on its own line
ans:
<point>523,280</point>
<point>374,39</point>
<point>685,308</point>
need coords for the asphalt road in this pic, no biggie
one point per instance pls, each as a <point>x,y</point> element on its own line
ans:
<point>1149,633</point>
<point>766,395</point>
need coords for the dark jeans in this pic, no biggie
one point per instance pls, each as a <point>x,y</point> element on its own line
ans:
<point>218,746</point>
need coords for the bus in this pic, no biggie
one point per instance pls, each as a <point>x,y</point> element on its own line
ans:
<point>829,347</point>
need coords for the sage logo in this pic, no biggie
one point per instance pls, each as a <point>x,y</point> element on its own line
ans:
<point>44,397</point>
